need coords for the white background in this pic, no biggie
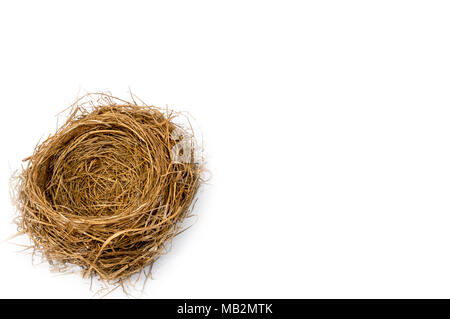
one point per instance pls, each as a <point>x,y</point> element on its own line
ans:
<point>326,127</point>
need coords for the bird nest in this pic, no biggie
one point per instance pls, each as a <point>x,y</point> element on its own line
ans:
<point>110,188</point>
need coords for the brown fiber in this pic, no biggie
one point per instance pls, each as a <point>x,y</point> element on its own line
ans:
<point>104,192</point>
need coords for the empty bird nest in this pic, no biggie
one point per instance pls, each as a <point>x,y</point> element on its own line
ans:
<point>110,189</point>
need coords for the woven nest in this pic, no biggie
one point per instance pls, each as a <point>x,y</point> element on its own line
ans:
<point>104,192</point>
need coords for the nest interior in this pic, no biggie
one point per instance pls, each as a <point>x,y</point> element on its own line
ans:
<point>104,192</point>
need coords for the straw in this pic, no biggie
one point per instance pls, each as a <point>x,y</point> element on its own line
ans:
<point>103,192</point>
